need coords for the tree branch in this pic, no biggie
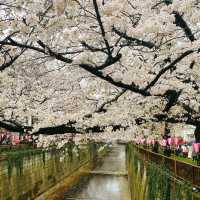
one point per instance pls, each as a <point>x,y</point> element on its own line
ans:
<point>110,80</point>
<point>138,42</point>
<point>101,108</point>
<point>7,64</point>
<point>98,16</point>
<point>179,21</point>
<point>11,125</point>
<point>170,66</point>
<point>53,54</point>
<point>45,49</point>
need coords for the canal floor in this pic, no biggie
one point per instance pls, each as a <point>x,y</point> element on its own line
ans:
<point>107,181</point>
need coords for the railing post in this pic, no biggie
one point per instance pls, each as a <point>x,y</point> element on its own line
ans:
<point>193,182</point>
<point>175,167</point>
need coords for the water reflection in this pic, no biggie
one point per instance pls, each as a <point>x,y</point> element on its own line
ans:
<point>114,161</point>
<point>101,186</point>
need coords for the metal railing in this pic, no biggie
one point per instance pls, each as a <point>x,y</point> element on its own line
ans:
<point>181,169</point>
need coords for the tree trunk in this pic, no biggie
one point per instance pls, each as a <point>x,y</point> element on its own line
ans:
<point>197,133</point>
<point>166,131</point>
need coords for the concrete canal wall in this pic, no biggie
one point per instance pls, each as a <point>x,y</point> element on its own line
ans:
<point>29,176</point>
<point>149,180</point>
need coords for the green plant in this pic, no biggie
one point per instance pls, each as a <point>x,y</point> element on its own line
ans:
<point>70,145</point>
<point>92,147</point>
<point>158,183</point>
<point>16,159</point>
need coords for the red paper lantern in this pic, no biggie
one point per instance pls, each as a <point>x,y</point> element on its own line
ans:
<point>153,141</point>
<point>196,147</point>
<point>176,141</point>
<point>170,141</point>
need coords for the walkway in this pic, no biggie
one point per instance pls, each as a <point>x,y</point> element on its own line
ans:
<point>107,181</point>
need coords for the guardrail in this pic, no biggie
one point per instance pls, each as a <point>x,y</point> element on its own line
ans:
<point>181,170</point>
<point>4,147</point>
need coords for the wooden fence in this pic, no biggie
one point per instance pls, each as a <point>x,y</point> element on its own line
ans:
<point>182,170</point>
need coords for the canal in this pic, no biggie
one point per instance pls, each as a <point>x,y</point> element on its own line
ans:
<point>108,180</point>
<point>93,171</point>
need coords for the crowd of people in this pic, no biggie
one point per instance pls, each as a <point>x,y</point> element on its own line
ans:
<point>173,145</point>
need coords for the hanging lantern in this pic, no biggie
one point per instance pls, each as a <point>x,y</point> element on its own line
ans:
<point>177,141</point>
<point>196,147</point>
<point>153,141</point>
<point>170,141</point>
<point>164,143</point>
<point>142,141</point>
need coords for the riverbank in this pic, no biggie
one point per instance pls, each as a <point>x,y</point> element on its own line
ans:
<point>181,169</point>
<point>28,174</point>
<point>151,177</point>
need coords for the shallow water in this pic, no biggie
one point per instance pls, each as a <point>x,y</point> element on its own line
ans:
<point>108,180</point>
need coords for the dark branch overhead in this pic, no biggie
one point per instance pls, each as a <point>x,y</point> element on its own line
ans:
<point>168,2</point>
<point>11,61</point>
<point>164,117</point>
<point>184,119</point>
<point>168,67</point>
<point>109,61</point>
<point>136,41</point>
<point>11,126</point>
<point>109,79</point>
<point>45,49</point>
<point>95,71</point>
<point>102,108</point>
<point>103,33</point>
<point>56,130</point>
<point>179,21</point>
<point>62,129</point>
<point>172,98</point>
